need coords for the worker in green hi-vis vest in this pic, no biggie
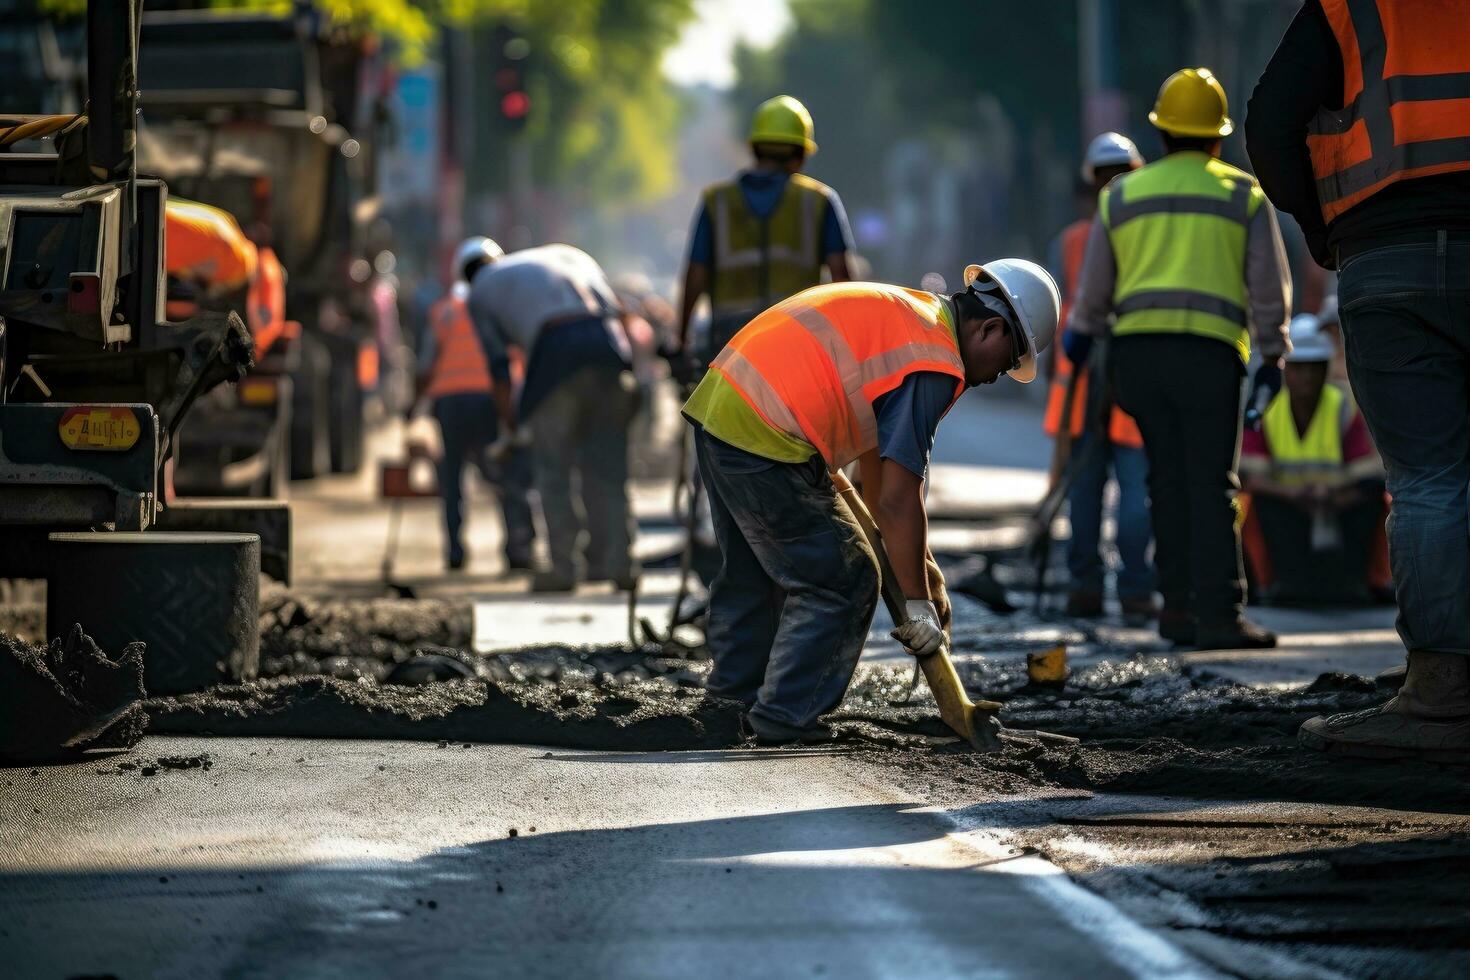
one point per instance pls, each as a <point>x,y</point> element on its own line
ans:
<point>766,234</point>
<point>1183,263</point>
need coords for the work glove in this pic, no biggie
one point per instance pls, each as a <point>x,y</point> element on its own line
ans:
<point>939,592</point>
<point>1267,383</point>
<point>1077,346</point>
<point>920,633</point>
<point>500,450</point>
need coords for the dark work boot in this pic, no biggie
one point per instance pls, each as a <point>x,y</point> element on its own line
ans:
<point>1237,634</point>
<point>1178,627</point>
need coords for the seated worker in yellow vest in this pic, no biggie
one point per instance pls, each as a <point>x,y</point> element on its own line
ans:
<point>765,235</point>
<point>838,373</point>
<point>454,372</point>
<point>1315,482</point>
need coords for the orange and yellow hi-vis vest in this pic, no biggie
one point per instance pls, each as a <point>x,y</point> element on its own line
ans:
<point>811,366</point>
<point>1406,98</point>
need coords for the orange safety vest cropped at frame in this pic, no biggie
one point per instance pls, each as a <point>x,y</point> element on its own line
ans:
<point>811,366</point>
<point>1122,430</point>
<point>1406,98</point>
<point>460,365</point>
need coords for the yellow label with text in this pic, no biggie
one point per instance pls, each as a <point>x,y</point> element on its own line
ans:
<point>105,428</point>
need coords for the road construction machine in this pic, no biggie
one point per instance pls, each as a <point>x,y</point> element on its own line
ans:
<point>96,382</point>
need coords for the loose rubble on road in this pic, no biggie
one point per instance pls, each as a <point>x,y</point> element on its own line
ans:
<point>398,668</point>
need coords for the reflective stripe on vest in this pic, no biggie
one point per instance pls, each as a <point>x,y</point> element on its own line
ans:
<point>1178,229</point>
<point>1314,457</point>
<point>759,262</point>
<point>812,366</point>
<point>460,365</point>
<point>1406,98</point>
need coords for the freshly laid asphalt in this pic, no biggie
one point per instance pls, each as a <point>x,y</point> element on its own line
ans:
<point>348,858</point>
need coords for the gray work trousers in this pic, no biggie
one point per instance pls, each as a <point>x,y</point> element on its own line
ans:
<point>579,457</point>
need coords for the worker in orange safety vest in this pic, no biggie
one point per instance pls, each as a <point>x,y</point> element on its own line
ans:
<point>835,374</point>
<point>454,372</point>
<point>1121,448</point>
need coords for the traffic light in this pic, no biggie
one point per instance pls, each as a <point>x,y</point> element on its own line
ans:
<point>511,100</point>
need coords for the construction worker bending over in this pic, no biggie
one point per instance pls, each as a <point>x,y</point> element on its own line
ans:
<point>1359,129</point>
<point>766,234</point>
<point>1186,254</point>
<point>454,371</point>
<point>1121,444</point>
<point>1314,484</point>
<point>555,304</point>
<point>841,372</point>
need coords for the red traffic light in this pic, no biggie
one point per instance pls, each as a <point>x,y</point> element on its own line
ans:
<point>515,105</point>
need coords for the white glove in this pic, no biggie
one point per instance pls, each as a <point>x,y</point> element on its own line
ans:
<point>920,633</point>
<point>509,442</point>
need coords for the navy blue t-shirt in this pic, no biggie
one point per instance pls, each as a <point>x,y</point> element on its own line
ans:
<point>908,418</point>
<point>762,190</point>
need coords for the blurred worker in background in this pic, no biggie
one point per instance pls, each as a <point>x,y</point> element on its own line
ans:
<point>1314,484</point>
<point>1358,128</point>
<point>1120,445</point>
<point>836,374</point>
<point>555,304</point>
<point>1186,254</point>
<point>455,372</point>
<point>766,234</point>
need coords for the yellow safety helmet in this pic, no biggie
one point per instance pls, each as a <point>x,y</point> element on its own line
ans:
<point>784,120</point>
<point>1192,103</point>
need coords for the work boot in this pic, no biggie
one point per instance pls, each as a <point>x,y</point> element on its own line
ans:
<point>1084,604</point>
<point>1436,685</point>
<point>768,732</point>
<point>1139,610</point>
<point>1429,718</point>
<point>1178,627</point>
<point>1236,634</point>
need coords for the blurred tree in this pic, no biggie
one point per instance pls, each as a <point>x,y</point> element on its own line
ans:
<point>601,117</point>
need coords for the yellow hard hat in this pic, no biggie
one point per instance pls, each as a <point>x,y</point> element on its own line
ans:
<point>783,120</point>
<point>1192,103</point>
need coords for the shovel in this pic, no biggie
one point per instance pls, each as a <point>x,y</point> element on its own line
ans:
<point>977,722</point>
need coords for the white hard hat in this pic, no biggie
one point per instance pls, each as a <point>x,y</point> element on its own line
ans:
<point>477,249</point>
<point>1032,293</point>
<point>1110,150</point>
<point>1309,345</point>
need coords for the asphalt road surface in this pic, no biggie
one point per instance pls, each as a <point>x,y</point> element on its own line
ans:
<point>351,858</point>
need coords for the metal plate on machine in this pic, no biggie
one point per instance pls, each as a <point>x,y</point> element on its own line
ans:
<point>103,428</point>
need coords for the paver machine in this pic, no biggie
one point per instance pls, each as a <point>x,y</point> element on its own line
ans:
<point>96,381</point>
<point>269,116</point>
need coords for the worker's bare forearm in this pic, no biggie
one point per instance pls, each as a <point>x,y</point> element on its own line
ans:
<point>900,516</point>
<point>696,282</point>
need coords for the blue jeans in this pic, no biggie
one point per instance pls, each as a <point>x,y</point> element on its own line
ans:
<point>1085,500</point>
<point>468,425</point>
<point>798,583</point>
<point>1406,320</point>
